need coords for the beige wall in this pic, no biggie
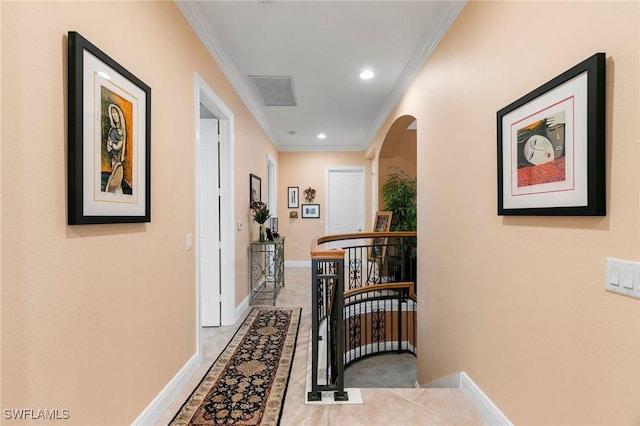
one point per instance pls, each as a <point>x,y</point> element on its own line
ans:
<point>519,302</point>
<point>403,159</point>
<point>97,319</point>
<point>397,153</point>
<point>307,169</point>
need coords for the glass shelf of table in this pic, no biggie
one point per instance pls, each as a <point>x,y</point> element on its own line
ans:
<point>266,270</point>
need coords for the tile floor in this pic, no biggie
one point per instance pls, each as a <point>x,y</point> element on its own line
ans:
<point>381,406</point>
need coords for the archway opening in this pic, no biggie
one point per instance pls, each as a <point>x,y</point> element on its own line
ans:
<point>397,155</point>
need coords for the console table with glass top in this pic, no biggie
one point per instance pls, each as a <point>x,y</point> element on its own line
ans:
<point>266,270</point>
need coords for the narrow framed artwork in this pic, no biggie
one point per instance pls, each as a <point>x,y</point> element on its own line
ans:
<point>255,188</point>
<point>551,146</point>
<point>109,137</point>
<point>311,211</point>
<point>382,223</point>
<point>293,197</point>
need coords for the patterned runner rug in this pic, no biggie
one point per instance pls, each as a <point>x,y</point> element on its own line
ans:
<point>246,385</point>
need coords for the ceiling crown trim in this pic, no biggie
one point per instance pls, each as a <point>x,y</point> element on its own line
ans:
<point>447,14</point>
<point>194,15</point>
<point>193,12</point>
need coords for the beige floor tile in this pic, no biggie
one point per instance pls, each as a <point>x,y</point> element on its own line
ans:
<point>381,406</point>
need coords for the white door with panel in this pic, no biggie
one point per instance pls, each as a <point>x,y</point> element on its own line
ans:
<point>345,211</point>
<point>345,199</point>
<point>209,223</point>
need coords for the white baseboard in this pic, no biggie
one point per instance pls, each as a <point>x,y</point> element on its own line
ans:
<point>161,403</point>
<point>449,382</point>
<point>489,411</point>
<point>241,309</point>
<point>297,264</point>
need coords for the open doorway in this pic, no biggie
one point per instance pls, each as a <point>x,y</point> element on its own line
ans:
<point>215,240</point>
<point>398,153</point>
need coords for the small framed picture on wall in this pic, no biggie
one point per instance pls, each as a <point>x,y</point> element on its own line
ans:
<point>255,188</point>
<point>293,197</point>
<point>311,211</point>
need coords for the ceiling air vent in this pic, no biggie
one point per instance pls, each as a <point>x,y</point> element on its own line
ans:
<point>275,91</point>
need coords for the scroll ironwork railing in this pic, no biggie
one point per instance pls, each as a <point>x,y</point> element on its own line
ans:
<point>363,303</point>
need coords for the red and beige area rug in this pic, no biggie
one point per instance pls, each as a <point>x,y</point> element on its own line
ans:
<point>246,385</point>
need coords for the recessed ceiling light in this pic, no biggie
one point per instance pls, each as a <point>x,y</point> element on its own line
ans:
<point>322,136</point>
<point>367,75</point>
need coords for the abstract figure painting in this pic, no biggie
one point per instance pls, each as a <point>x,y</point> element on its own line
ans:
<point>541,143</point>
<point>109,139</point>
<point>551,146</point>
<point>116,143</point>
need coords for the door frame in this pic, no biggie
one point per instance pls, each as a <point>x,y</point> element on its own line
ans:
<point>203,94</point>
<point>327,171</point>
<point>272,185</point>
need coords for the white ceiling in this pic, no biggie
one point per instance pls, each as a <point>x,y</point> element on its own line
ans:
<point>323,46</point>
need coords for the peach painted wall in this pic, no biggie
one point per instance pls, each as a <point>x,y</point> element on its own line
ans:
<point>397,155</point>
<point>97,319</point>
<point>519,302</point>
<point>307,169</point>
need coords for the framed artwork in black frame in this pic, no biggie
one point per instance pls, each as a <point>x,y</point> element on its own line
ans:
<point>109,139</point>
<point>293,197</point>
<point>255,188</point>
<point>551,146</point>
<point>311,211</point>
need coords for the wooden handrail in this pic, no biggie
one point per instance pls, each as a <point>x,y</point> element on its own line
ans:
<point>377,287</point>
<point>317,253</point>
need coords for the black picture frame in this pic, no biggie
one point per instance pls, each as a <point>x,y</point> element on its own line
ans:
<point>293,197</point>
<point>109,139</point>
<point>310,211</point>
<point>551,146</point>
<point>255,188</point>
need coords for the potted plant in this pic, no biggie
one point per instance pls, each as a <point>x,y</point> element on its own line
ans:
<point>399,195</point>
<point>260,215</point>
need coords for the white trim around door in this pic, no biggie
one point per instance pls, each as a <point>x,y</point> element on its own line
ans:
<point>207,97</point>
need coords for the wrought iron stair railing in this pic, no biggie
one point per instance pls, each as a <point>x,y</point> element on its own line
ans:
<point>363,303</point>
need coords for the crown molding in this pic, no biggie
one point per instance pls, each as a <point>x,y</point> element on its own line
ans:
<point>445,17</point>
<point>194,14</point>
<point>319,148</point>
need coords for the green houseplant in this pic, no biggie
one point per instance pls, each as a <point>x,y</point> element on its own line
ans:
<point>399,194</point>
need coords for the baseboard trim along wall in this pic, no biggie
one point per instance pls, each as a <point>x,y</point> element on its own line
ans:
<point>161,403</point>
<point>488,410</point>
<point>240,310</point>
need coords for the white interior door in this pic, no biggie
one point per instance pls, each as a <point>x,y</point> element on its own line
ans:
<point>209,223</point>
<point>345,200</point>
<point>345,212</point>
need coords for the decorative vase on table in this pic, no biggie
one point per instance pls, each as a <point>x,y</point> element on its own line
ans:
<point>260,215</point>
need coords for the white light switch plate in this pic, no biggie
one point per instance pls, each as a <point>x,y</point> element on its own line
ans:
<point>623,277</point>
